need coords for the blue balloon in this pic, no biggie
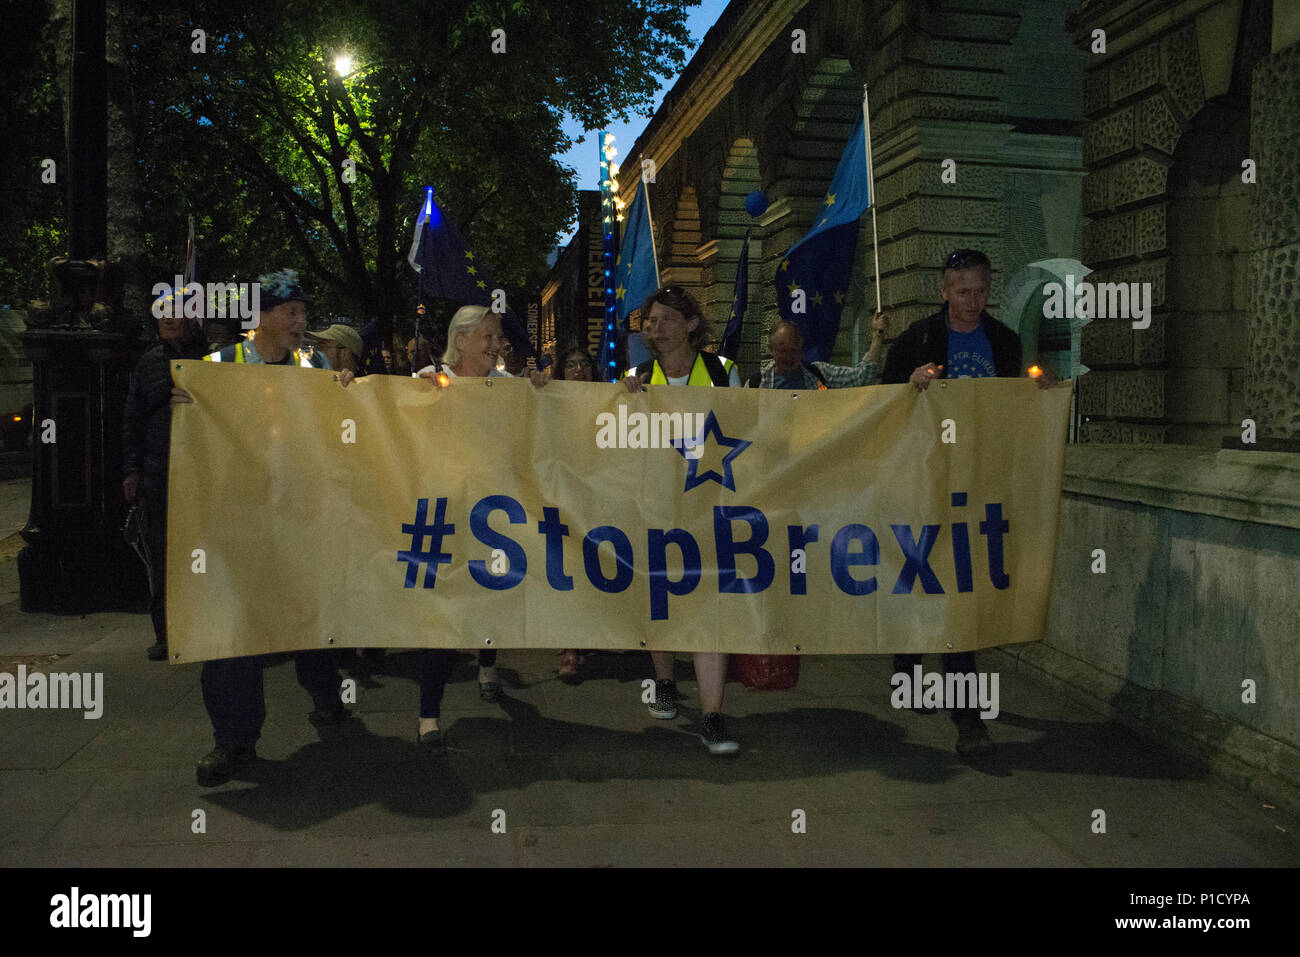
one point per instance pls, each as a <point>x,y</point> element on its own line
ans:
<point>756,203</point>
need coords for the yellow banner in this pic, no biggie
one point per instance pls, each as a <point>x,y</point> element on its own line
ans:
<point>493,514</point>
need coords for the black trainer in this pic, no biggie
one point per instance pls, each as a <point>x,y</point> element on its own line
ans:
<point>220,764</point>
<point>328,711</point>
<point>714,735</point>
<point>973,739</point>
<point>664,705</point>
<point>157,651</point>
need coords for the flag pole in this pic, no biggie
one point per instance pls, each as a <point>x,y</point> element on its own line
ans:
<point>650,220</point>
<point>871,188</point>
<point>423,219</point>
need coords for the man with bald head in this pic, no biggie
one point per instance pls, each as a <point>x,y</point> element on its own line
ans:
<point>786,369</point>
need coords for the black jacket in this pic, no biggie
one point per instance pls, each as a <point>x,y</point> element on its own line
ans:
<point>146,432</point>
<point>926,340</point>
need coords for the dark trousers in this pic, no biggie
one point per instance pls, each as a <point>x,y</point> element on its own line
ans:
<point>957,662</point>
<point>435,669</point>
<point>236,702</point>
<point>153,494</point>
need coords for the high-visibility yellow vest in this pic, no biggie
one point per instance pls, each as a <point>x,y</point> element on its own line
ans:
<point>699,371</point>
<point>298,357</point>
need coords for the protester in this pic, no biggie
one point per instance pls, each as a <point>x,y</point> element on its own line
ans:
<point>341,345</point>
<point>222,332</point>
<point>474,344</point>
<point>787,370</point>
<point>421,357</point>
<point>961,340</point>
<point>675,331</point>
<point>232,687</point>
<point>573,365</point>
<point>146,442</point>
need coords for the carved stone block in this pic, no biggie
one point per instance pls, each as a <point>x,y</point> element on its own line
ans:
<point>1136,179</point>
<point>1108,136</point>
<point>1139,394</point>
<point>1105,342</point>
<point>1180,70</point>
<point>1156,125</point>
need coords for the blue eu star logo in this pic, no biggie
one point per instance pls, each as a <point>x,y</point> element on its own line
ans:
<point>692,452</point>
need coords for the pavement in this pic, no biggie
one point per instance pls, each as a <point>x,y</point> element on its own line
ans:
<point>583,776</point>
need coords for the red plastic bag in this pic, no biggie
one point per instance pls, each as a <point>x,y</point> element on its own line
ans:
<point>765,672</point>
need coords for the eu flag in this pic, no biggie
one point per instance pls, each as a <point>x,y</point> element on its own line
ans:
<point>819,264</point>
<point>636,276</point>
<point>448,270</point>
<point>739,302</point>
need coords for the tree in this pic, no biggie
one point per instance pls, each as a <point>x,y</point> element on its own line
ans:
<point>33,226</point>
<point>281,146</point>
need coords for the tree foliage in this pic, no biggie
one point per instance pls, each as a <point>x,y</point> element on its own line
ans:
<point>252,136</point>
<point>33,225</point>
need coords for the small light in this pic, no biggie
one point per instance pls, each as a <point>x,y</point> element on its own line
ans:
<point>443,379</point>
<point>343,64</point>
<point>1035,372</point>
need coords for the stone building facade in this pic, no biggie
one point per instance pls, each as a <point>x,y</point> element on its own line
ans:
<point>1127,161</point>
<point>1191,155</point>
<point>771,97</point>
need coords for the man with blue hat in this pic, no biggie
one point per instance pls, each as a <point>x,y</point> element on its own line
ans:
<point>232,687</point>
<point>279,325</point>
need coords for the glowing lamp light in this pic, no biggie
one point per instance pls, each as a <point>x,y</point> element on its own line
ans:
<point>443,379</point>
<point>1035,372</point>
<point>343,64</point>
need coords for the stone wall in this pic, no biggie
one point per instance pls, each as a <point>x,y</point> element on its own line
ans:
<point>1166,137</point>
<point>1200,593</point>
<point>1273,364</point>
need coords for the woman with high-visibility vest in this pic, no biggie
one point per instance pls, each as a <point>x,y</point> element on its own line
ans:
<point>675,331</point>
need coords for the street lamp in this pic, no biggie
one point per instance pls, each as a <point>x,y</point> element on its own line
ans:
<point>343,64</point>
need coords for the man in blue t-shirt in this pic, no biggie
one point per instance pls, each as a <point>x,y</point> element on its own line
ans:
<point>959,341</point>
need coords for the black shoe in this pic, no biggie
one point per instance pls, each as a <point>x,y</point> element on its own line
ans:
<point>220,764</point>
<point>157,651</point>
<point>664,705</point>
<point>431,741</point>
<point>490,691</point>
<point>328,711</point>
<point>973,740</point>
<point>714,735</point>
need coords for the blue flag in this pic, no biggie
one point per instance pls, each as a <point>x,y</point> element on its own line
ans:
<point>819,265</point>
<point>446,266</point>
<point>448,270</point>
<point>739,302</point>
<point>636,276</point>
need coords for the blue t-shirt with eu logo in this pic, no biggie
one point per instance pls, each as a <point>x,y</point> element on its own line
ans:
<point>970,355</point>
